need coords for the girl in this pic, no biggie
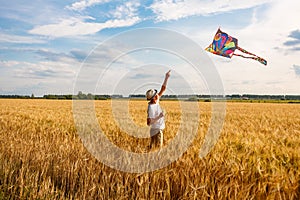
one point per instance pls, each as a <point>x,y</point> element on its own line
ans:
<point>155,116</point>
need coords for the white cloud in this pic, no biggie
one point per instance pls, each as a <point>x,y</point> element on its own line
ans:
<point>5,38</point>
<point>65,67</point>
<point>128,9</point>
<point>8,63</point>
<point>123,15</point>
<point>83,4</point>
<point>44,77</point>
<point>174,10</point>
<point>76,26</point>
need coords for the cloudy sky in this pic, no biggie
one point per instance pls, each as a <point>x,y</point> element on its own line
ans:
<point>46,45</point>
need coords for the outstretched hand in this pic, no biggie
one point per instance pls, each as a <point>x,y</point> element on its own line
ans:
<point>164,85</point>
<point>168,74</point>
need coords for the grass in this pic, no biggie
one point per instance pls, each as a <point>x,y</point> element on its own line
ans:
<point>256,157</point>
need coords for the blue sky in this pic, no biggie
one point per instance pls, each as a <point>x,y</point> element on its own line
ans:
<point>45,44</point>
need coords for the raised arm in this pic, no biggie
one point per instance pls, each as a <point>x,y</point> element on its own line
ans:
<point>164,85</point>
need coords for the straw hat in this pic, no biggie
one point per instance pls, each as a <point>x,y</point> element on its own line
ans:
<point>150,94</point>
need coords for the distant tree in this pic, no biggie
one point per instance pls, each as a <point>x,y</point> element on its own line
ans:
<point>90,96</point>
<point>81,95</point>
<point>68,96</point>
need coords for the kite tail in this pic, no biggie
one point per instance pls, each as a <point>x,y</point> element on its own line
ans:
<point>253,56</point>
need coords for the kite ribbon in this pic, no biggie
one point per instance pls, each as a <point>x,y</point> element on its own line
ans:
<point>253,56</point>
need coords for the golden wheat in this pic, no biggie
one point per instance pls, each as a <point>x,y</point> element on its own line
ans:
<point>256,157</point>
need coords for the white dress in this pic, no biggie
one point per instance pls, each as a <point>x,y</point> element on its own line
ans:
<point>153,111</point>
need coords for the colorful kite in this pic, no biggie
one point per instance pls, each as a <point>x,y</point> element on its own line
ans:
<point>225,45</point>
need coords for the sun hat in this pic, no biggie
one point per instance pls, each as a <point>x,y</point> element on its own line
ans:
<point>150,94</point>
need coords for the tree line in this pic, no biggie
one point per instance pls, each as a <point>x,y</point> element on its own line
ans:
<point>81,95</point>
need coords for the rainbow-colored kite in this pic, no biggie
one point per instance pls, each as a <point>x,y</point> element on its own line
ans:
<point>225,45</point>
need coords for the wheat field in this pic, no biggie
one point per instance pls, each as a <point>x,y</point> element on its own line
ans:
<point>256,157</point>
